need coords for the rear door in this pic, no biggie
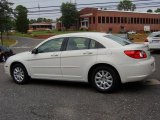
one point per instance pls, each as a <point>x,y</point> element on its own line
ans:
<point>76,58</point>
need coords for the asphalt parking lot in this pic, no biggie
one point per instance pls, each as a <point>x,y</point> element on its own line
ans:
<point>54,100</point>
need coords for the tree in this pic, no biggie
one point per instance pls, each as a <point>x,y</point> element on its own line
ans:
<point>69,15</point>
<point>5,16</point>
<point>22,23</point>
<point>126,5</point>
<point>38,20</point>
<point>157,10</point>
<point>149,11</point>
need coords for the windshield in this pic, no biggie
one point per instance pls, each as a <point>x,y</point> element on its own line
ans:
<point>119,40</point>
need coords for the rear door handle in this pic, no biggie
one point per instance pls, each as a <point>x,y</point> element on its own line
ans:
<point>90,53</point>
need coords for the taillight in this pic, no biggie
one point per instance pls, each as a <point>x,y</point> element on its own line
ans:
<point>146,40</point>
<point>136,54</point>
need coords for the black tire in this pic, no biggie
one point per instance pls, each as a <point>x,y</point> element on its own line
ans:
<point>22,72</point>
<point>104,84</point>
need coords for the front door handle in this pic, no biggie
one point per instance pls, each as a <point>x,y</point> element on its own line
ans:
<point>54,55</point>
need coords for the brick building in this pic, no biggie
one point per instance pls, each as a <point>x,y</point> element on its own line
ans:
<point>42,26</point>
<point>118,21</point>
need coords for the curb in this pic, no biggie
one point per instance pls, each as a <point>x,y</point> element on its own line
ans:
<point>14,44</point>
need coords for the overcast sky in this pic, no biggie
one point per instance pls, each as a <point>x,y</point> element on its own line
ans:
<point>55,14</point>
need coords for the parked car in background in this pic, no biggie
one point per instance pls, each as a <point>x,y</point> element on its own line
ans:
<point>153,41</point>
<point>5,52</point>
<point>104,60</point>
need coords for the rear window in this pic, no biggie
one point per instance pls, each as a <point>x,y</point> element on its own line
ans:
<point>156,34</point>
<point>119,40</point>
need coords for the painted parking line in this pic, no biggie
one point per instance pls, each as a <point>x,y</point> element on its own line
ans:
<point>152,82</point>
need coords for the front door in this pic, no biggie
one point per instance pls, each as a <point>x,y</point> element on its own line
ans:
<point>46,63</point>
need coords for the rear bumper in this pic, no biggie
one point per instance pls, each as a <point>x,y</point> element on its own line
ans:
<point>137,72</point>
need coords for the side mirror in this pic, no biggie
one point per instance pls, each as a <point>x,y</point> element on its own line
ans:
<point>35,51</point>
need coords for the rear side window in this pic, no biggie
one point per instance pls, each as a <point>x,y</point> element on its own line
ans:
<point>95,45</point>
<point>119,40</point>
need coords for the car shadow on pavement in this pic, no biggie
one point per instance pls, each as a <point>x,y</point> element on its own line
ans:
<point>65,84</point>
<point>127,87</point>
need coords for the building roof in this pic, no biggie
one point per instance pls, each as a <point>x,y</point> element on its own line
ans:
<point>122,11</point>
<point>42,23</point>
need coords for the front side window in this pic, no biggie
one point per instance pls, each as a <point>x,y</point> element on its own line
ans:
<point>51,46</point>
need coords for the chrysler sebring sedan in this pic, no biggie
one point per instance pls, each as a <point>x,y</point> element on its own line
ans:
<point>104,60</point>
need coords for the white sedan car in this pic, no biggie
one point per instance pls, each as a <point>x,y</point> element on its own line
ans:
<point>153,41</point>
<point>101,59</point>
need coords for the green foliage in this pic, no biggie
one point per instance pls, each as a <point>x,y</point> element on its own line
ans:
<point>38,20</point>
<point>149,11</point>
<point>22,23</point>
<point>5,16</point>
<point>69,15</point>
<point>157,10</point>
<point>126,5</point>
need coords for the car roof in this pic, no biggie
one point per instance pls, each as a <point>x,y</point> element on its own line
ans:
<point>84,34</point>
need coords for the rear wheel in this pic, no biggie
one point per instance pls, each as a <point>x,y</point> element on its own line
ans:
<point>19,74</point>
<point>105,79</point>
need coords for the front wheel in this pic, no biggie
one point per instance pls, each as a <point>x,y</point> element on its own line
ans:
<point>105,79</point>
<point>19,74</point>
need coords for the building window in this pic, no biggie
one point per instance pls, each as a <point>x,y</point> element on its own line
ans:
<point>141,21</point>
<point>94,20</point>
<point>132,21</point>
<point>138,21</point>
<point>122,20</point>
<point>144,21</point>
<point>115,19</point>
<point>152,21</point>
<point>129,20</point>
<point>99,19</point>
<point>107,19</point>
<point>149,20</point>
<point>119,21</point>
<point>157,21</point>
<point>103,19</point>
<point>135,21</point>
<point>111,19</point>
<point>125,20</point>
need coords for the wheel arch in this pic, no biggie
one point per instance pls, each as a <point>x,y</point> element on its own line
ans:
<point>101,64</point>
<point>17,62</point>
